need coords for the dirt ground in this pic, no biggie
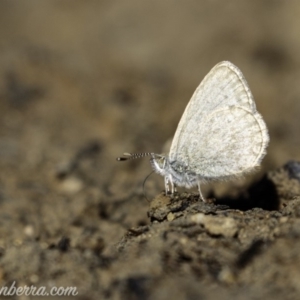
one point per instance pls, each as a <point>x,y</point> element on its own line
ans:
<point>84,81</point>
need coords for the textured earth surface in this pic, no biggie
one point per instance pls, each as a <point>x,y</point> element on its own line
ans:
<point>84,81</point>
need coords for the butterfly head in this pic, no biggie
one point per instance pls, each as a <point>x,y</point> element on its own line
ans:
<point>159,163</point>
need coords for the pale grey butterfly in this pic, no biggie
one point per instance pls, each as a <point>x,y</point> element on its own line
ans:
<point>220,135</point>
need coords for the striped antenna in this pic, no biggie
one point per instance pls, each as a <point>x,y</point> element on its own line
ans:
<point>128,156</point>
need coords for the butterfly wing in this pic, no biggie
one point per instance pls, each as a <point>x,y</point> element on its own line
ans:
<point>220,132</point>
<point>233,141</point>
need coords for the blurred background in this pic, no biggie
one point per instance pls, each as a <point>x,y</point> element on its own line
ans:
<point>84,81</point>
<point>122,72</point>
<point>117,75</point>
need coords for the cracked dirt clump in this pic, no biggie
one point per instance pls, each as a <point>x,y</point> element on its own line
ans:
<point>215,245</point>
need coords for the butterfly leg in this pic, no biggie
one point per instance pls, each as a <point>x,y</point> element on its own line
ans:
<point>169,183</point>
<point>200,194</point>
<point>173,186</point>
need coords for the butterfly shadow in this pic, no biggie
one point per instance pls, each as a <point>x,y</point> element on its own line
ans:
<point>261,194</point>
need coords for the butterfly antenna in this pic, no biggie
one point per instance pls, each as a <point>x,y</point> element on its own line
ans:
<point>144,191</point>
<point>129,156</point>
